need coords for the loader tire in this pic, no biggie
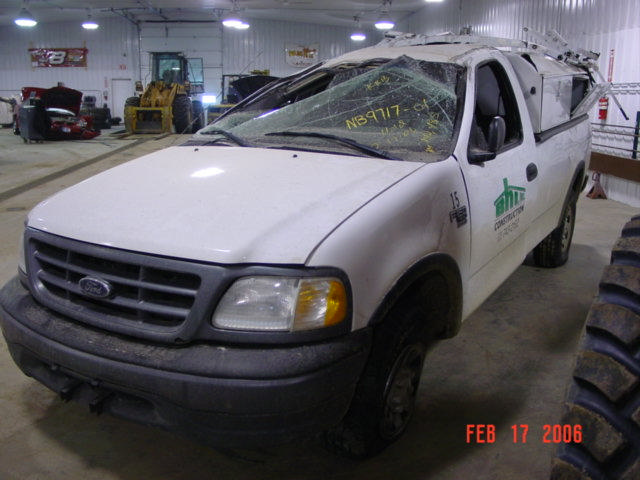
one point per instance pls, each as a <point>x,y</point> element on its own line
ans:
<point>182,114</point>
<point>130,102</point>
<point>604,396</point>
<point>553,250</point>
<point>198,115</point>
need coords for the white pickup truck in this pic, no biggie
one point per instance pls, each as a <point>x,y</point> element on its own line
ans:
<point>284,271</point>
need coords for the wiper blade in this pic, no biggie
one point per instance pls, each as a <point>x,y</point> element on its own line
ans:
<point>374,152</point>
<point>234,138</point>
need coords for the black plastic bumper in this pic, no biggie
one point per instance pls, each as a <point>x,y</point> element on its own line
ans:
<point>223,395</point>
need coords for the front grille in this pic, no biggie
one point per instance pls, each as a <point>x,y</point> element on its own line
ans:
<point>142,293</point>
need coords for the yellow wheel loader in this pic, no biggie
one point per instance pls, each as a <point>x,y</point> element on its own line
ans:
<point>165,103</point>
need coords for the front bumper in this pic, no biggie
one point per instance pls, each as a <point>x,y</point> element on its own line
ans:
<point>222,395</point>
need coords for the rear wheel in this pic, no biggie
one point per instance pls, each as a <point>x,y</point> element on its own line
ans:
<point>181,110</point>
<point>553,251</point>
<point>604,398</point>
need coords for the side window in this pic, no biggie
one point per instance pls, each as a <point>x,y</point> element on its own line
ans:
<point>494,97</point>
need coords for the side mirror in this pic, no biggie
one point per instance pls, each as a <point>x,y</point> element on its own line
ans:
<point>497,134</point>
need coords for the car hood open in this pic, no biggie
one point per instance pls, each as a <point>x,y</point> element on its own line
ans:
<point>219,204</point>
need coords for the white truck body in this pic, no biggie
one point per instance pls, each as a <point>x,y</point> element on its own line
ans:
<point>381,225</point>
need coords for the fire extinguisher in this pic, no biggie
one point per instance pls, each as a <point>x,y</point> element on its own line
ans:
<point>603,106</point>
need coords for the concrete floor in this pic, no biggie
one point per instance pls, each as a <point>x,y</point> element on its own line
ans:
<point>508,366</point>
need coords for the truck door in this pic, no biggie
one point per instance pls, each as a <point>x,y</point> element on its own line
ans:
<point>501,189</point>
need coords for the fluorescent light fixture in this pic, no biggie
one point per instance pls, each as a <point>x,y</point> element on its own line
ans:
<point>89,24</point>
<point>434,1</point>
<point>358,36</point>
<point>231,21</point>
<point>242,26</point>
<point>208,99</point>
<point>25,19</point>
<point>384,23</point>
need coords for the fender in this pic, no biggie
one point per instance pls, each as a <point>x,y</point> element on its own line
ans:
<point>578,182</point>
<point>411,287</point>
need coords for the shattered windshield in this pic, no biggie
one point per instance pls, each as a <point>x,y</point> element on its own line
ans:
<point>405,109</point>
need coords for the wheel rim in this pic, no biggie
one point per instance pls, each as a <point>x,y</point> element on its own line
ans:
<point>566,230</point>
<point>401,389</point>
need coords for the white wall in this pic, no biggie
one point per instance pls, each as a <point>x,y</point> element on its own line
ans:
<point>597,25</point>
<point>118,51</point>
<point>113,53</point>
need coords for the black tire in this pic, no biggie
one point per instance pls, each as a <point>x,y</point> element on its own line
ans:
<point>16,129</point>
<point>181,110</point>
<point>385,395</point>
<point>604,397</point>
<point>132,102</point>
<point>553,251</point>
<point>198,115</point>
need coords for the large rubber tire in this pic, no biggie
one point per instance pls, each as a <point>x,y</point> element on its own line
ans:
<point>132,102</point>
<point>385,395</point>
<point>198,115</point>
<point>553,251</point>
<point>604,397</point>
<point>182,114</point>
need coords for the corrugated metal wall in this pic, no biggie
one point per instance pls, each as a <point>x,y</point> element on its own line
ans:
<point>107,58</point>
<point>116,50</point>
<point>597,25</point>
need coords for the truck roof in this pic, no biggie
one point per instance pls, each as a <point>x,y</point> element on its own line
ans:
<point>446,52</point>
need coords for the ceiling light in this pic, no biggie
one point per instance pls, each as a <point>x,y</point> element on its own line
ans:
<point>385,22</point>
<point>242,26</point>
<point>433,1</point>
<point>89,24</point>
<point>231,20</point>
<point>358,35</point>
<point>25,19</point>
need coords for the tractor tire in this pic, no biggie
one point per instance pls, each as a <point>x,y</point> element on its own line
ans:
<point>182,114</point>
<point>604,396</point>
<point>198,115</point>
<point>385,396</point>
<point>130,102</point>
<point>553,251</point>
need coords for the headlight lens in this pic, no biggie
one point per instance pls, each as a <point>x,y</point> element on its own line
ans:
<point>282,304</point>
<point>22,263</point>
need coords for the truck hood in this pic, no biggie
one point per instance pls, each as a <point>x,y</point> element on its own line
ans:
<point>219,204</point>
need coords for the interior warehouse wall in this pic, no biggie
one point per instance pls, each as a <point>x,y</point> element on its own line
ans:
<point>113,54</point>
<point>596,25</point>
<point>232,52</point>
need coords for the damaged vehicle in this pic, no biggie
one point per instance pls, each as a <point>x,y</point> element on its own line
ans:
<point>285,271</point>
<point>53,114</point>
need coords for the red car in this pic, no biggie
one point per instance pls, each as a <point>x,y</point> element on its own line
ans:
<point>61,118</point>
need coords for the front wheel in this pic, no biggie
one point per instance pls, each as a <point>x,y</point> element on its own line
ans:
<point>553,251</point>
<point>385,396</point>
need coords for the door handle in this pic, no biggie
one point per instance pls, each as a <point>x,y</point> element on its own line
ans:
<point>532,171</point>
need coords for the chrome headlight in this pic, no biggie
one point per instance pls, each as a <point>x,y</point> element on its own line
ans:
<point>282,304</point>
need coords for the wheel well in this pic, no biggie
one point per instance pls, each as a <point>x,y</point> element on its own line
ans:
<point>576,187</point>
<point>434,285</point>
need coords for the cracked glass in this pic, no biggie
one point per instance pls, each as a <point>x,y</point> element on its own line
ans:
<point>405,109</point>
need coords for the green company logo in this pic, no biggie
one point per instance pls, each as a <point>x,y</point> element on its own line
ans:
<point>510,198</point>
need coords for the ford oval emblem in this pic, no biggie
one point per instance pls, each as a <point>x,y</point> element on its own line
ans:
<point>95,287</point>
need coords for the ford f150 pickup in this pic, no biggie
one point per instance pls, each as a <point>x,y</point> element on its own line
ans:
<point>285,271</point>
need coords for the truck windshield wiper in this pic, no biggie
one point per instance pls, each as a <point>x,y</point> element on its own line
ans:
<point>374,152</point>
<point>228,135</point>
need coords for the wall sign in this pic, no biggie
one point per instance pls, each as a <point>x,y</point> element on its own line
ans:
<point>301,56</point>
<point>58,57</point>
